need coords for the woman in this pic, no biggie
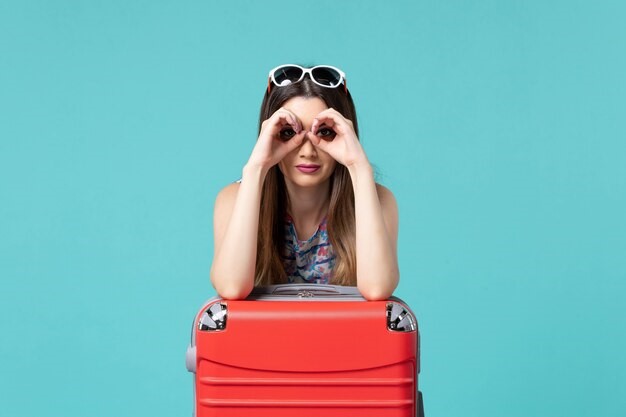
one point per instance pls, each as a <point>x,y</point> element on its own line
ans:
<point>307,208</point>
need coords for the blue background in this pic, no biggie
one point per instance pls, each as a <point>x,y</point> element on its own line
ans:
<point>499,125</point>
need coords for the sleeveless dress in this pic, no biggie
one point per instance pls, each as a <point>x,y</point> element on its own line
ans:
<point>311,260</point>
<point>307,261</point>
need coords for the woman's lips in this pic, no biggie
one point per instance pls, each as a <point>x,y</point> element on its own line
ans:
<point>308,168</point>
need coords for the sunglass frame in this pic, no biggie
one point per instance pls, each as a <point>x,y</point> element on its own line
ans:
<point>342,75</point>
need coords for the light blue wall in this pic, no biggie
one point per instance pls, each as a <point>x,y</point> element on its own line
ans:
<point>499,125</point>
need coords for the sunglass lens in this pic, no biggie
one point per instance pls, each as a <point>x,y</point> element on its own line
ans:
<point>326,76</point>
<point>287,75</point>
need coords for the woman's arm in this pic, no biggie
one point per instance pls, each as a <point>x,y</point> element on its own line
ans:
<point>236,214</point>
<point>376,215</point>
<point>376,211</point>
<point>235,228</point>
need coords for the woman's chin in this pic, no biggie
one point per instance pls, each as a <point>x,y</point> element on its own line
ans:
<point>307,180</point>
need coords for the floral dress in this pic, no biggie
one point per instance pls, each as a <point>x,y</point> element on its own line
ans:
<point>311,260</point>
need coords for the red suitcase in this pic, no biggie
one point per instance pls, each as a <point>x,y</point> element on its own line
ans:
<point>305,350</point>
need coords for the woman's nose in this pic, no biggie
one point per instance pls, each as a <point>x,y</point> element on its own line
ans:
<point>307,149</point>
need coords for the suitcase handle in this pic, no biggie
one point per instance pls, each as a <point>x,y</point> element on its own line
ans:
<point>306,290</point>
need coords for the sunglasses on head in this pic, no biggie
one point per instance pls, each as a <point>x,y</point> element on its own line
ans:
<point>322,75</point>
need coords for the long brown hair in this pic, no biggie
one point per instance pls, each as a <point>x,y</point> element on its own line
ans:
<point>274,197</point>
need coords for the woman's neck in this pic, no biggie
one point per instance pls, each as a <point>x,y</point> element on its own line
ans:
<point>308,205</point>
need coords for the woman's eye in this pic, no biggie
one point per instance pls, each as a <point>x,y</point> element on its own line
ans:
<point>287,133</point>
<point>326,133</point>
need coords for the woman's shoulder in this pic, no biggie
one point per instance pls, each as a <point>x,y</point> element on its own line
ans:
<point>227,195</point>
<point>230,189</point>
<point>384,193</point>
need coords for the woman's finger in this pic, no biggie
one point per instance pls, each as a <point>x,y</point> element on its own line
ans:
<point>297,140</point>
<point>282,117</point>
<point>290,118</point>
<point>331,119</point>
<point>318,142</point>
<point>313,138</point>
<point>285,119</point>
<point>284,147</point>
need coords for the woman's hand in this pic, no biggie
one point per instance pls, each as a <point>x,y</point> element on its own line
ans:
<point>334,134</point>
<point>375,209</point>
<point>280,134</point>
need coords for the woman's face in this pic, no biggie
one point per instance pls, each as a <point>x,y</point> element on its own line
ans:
<point>307,166</point>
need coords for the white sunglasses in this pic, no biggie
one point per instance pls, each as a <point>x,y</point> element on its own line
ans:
<point>322,75</point>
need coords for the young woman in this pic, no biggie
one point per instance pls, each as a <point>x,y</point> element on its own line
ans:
<point>307,208</point>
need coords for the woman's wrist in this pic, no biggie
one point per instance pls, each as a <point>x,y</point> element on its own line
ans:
<point>254,170</point>
<point>360,169</point>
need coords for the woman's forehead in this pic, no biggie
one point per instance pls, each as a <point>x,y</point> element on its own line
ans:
<point>305,107</point>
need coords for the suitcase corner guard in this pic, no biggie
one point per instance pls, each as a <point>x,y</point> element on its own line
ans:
<point>214,318</point>
<point>400,318</point>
